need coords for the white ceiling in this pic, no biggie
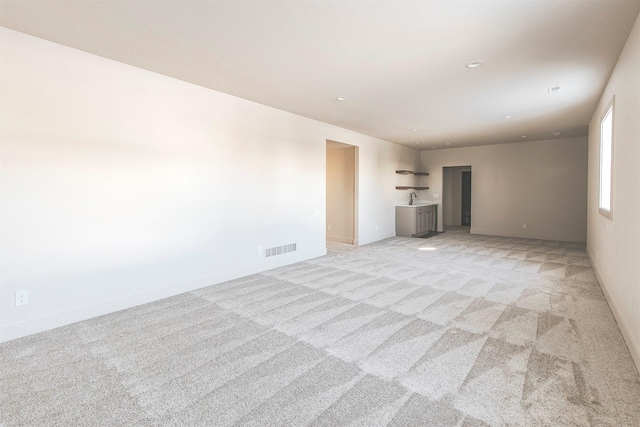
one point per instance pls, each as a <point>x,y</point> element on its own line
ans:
<point>400,63</point>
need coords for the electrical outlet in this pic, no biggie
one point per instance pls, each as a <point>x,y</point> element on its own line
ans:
<point>524,225</point>
<point>22,297</point>
<point>329,227</point>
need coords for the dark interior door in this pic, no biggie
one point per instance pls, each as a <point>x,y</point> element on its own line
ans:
<point>466,198</point>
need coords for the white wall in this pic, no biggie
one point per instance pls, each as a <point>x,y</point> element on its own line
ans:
<point>340,193</point>
<point>540,183</point>
<point>377,195</point>
<point>120,186</point>
<point>614,245</point>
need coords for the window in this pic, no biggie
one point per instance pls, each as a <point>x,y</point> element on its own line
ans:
<point>605,203</point>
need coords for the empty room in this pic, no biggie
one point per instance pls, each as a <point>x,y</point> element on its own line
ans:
<point>320,213</point>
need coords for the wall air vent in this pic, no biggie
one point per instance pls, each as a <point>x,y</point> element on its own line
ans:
<point>279,250</point>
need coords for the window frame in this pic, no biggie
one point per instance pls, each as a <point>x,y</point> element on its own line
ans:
<point>608,112</point>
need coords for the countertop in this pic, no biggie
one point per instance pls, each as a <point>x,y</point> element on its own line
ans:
<point>416,204</point>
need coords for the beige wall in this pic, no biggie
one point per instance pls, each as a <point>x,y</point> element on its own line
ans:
<point>120,186</point>
<point>614,245</point>
<point>340,193</point>
<point>540,183</point>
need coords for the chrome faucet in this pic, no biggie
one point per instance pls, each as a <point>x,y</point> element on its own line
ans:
<point>411,196</point>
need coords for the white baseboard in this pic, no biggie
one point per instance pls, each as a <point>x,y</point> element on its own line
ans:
<point>632,343</point>
<point>63,318</point>
<point>526,235</point>
<point>376,238</point>
<point>340,239</point>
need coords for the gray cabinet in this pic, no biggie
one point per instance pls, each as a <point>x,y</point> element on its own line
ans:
<point>415,220</point>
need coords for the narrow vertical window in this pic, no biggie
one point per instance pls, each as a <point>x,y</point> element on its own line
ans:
<point>606,162</point>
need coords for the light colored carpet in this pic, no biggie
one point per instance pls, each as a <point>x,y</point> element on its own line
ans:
<point>455,330</point>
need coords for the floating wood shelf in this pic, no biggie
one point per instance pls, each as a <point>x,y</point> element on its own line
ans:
<point>410,187</point>
<point>406,172</point>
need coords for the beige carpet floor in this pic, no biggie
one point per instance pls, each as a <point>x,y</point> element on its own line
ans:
<point>454,330</point>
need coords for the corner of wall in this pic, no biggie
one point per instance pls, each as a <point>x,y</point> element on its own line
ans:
<point>612,244</point>
<point>625,329</point>
<point>44,323</point>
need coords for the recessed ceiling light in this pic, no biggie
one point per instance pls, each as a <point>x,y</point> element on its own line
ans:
<point>341,98</point>
<point>508,117</point>
<point>448,143</point>
<point>557,133</point>
<point>433,148</point>
<point>474,64</point>
<point>418,142</point>
<point>413,130</point>
<point>524,136</point>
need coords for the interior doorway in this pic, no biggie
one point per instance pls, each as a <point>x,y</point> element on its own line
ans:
<point>456,197</point>
<point>466,199</point>
<point>342,193</point>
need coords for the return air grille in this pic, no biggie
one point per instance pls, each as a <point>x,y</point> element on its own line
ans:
<point>279,250</point>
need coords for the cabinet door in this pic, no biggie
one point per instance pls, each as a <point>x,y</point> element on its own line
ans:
<point>433,221</point>
<point>418,228</point>
<point>428,215</point>
<point>429,220</point>
<point>422,220</point>
<point>405,221</point>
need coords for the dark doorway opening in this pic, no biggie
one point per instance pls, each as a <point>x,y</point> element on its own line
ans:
<point>466,199</point>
